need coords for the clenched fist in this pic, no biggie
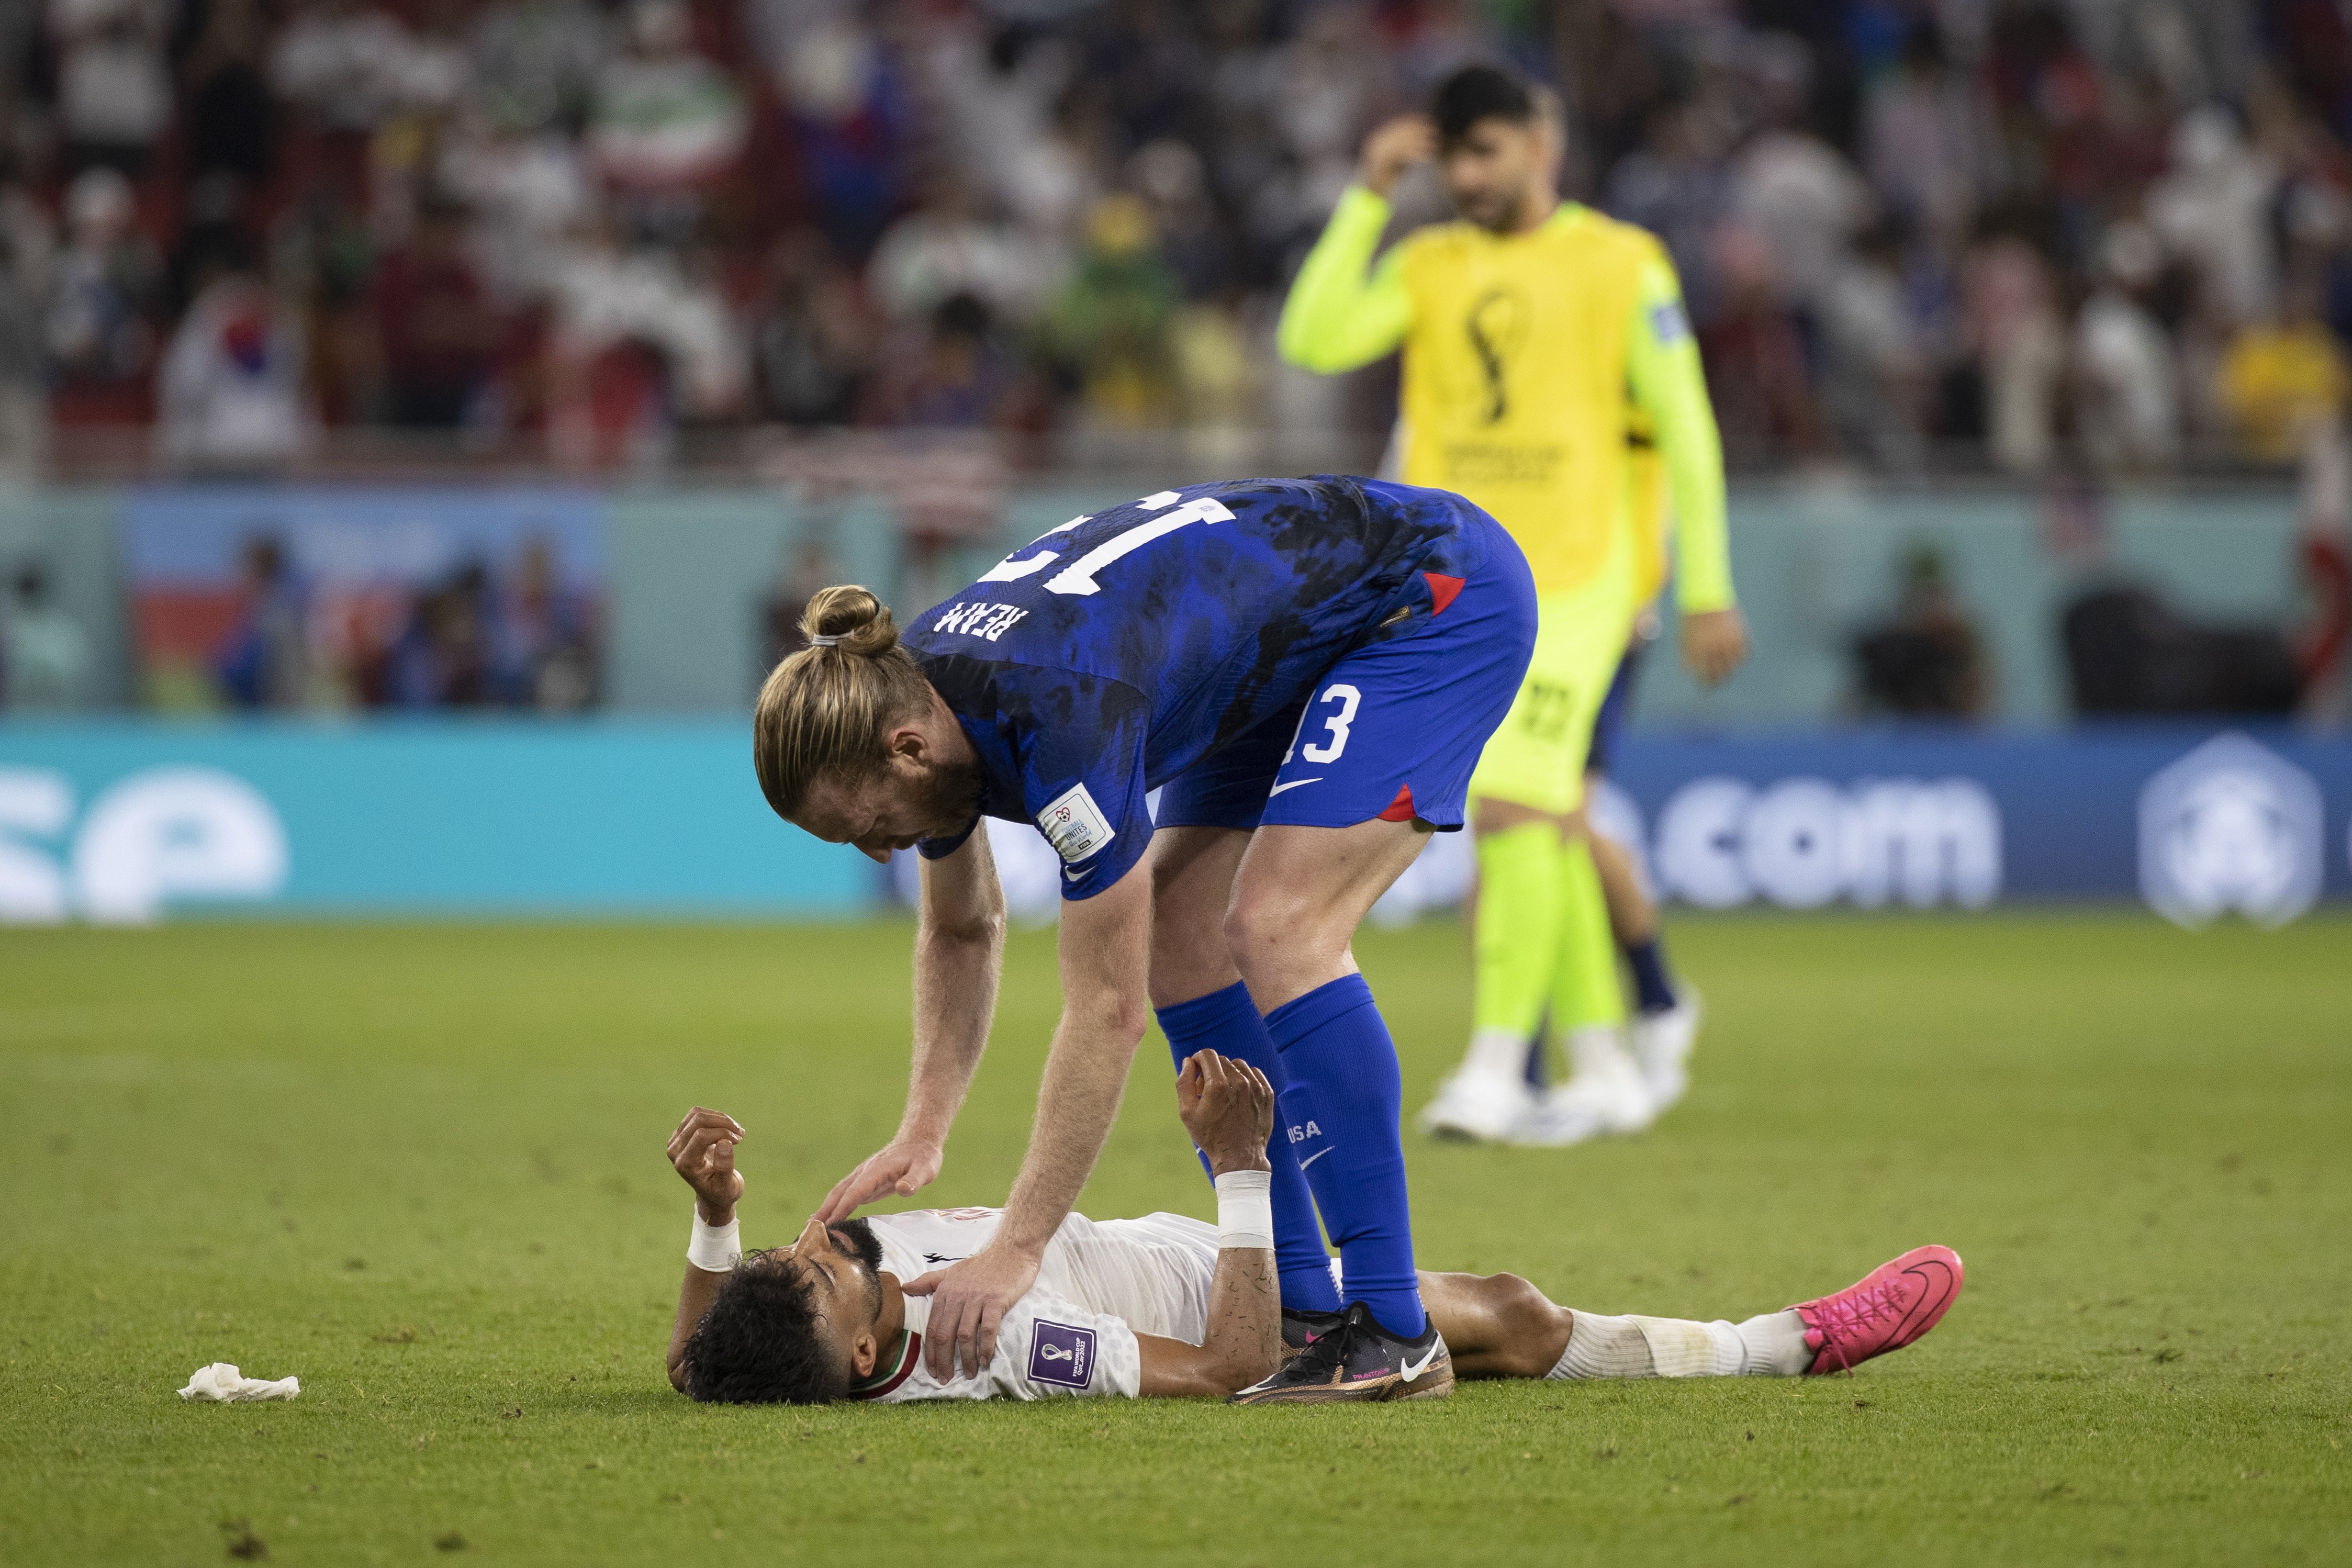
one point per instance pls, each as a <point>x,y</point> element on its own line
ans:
<point>1228,1108</point>
<point>702,1151</point>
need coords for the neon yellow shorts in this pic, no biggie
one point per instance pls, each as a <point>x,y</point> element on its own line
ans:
<point>1537,758</point>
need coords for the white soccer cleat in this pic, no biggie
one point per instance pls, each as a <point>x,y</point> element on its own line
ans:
<point>1605,1095</point>
<point>1661,1048</point>
<point>1583,1108</point>
<point>1477,1104</point>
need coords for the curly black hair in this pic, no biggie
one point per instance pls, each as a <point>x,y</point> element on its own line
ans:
<point>758,1343</point>
<point>1478,92</point>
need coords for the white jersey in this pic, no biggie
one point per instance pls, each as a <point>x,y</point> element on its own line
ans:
<point>1099,1285</point>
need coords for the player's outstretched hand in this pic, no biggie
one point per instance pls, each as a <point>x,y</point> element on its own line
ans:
<point>1228,1108</point>
<point>1715,643</point>
<point>968,1300</point>
<point>905,1167</point>
<point>1395,146</point>
<point>702,1151</point>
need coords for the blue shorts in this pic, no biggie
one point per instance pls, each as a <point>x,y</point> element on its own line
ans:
<point>1611,720</point>
<point>1393,728</point>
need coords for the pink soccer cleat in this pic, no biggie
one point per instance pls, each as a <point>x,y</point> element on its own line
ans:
<point>1884,1311</point>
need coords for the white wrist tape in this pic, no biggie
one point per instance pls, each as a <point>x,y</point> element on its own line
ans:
<point>714,1249</point>
<point>1246,1209</point>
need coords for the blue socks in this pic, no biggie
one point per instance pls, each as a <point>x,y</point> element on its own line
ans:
<point>1342,1110</point>
<point>1652,992</point>
<point>1228,1023</point>
<point>1339,1102</point>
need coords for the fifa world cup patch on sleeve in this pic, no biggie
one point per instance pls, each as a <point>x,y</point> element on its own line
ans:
<point>1667,323</point>
<point>1061,1354</point>
<point>1074,824</point>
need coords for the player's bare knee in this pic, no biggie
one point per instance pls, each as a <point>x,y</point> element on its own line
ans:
<point>1510,1295</point>
<point>1189,953</point>
<point>1246,926</point>
<point>1268,927</point>
<point>1533,1328</point>
<point>1187,962</point>
<point>1170,876</point>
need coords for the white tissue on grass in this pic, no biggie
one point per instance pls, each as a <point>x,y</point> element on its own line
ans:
<point>221,1383</point>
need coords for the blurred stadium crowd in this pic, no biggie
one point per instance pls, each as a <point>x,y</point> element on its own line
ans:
<point>1914,234</point>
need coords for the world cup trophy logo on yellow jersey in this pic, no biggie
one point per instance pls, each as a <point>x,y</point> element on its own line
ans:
<point>1497,324</point>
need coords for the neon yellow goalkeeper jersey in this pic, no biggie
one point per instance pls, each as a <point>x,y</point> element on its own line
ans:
<point>1526,359</point>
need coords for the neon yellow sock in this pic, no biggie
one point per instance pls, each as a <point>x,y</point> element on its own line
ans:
<point>1517,942</point>
<point>1584,987</point>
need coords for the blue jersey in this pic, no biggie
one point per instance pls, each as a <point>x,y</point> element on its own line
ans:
<point>1115,651</point>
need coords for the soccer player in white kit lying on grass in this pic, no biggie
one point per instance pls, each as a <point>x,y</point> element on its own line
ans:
<point>1170,1307</point>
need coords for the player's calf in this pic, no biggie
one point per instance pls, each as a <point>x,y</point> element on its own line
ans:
<point>1501,1326</point>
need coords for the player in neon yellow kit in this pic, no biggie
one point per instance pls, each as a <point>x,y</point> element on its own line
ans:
<point>1536,334</point>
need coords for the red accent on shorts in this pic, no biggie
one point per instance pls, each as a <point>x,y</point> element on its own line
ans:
<point>1442,590</point>
<point>1400,809</point>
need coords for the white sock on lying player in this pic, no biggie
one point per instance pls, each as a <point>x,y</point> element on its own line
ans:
<point>1772,1345</point>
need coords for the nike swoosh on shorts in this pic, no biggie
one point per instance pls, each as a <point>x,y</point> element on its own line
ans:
<point>1292,784</point>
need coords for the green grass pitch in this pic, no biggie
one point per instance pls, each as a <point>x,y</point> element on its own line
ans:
<point>422,1168</point>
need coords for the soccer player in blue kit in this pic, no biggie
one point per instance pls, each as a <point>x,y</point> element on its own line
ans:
<point>1308,668</point>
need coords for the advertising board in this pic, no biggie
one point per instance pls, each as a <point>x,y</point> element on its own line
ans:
<point>130,821</point>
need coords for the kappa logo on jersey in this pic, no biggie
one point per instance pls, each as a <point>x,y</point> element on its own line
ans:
<point>979,620</point>
<point>1074,824</point>
<point>1061,1354</point>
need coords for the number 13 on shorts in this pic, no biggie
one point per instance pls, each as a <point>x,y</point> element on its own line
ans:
<point>1330,714</point>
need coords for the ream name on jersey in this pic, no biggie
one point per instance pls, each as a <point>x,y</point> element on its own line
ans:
<point>979,620</point>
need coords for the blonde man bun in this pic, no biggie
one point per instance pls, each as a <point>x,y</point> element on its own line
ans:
<point>823,710</point>
<point>858,621</point>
